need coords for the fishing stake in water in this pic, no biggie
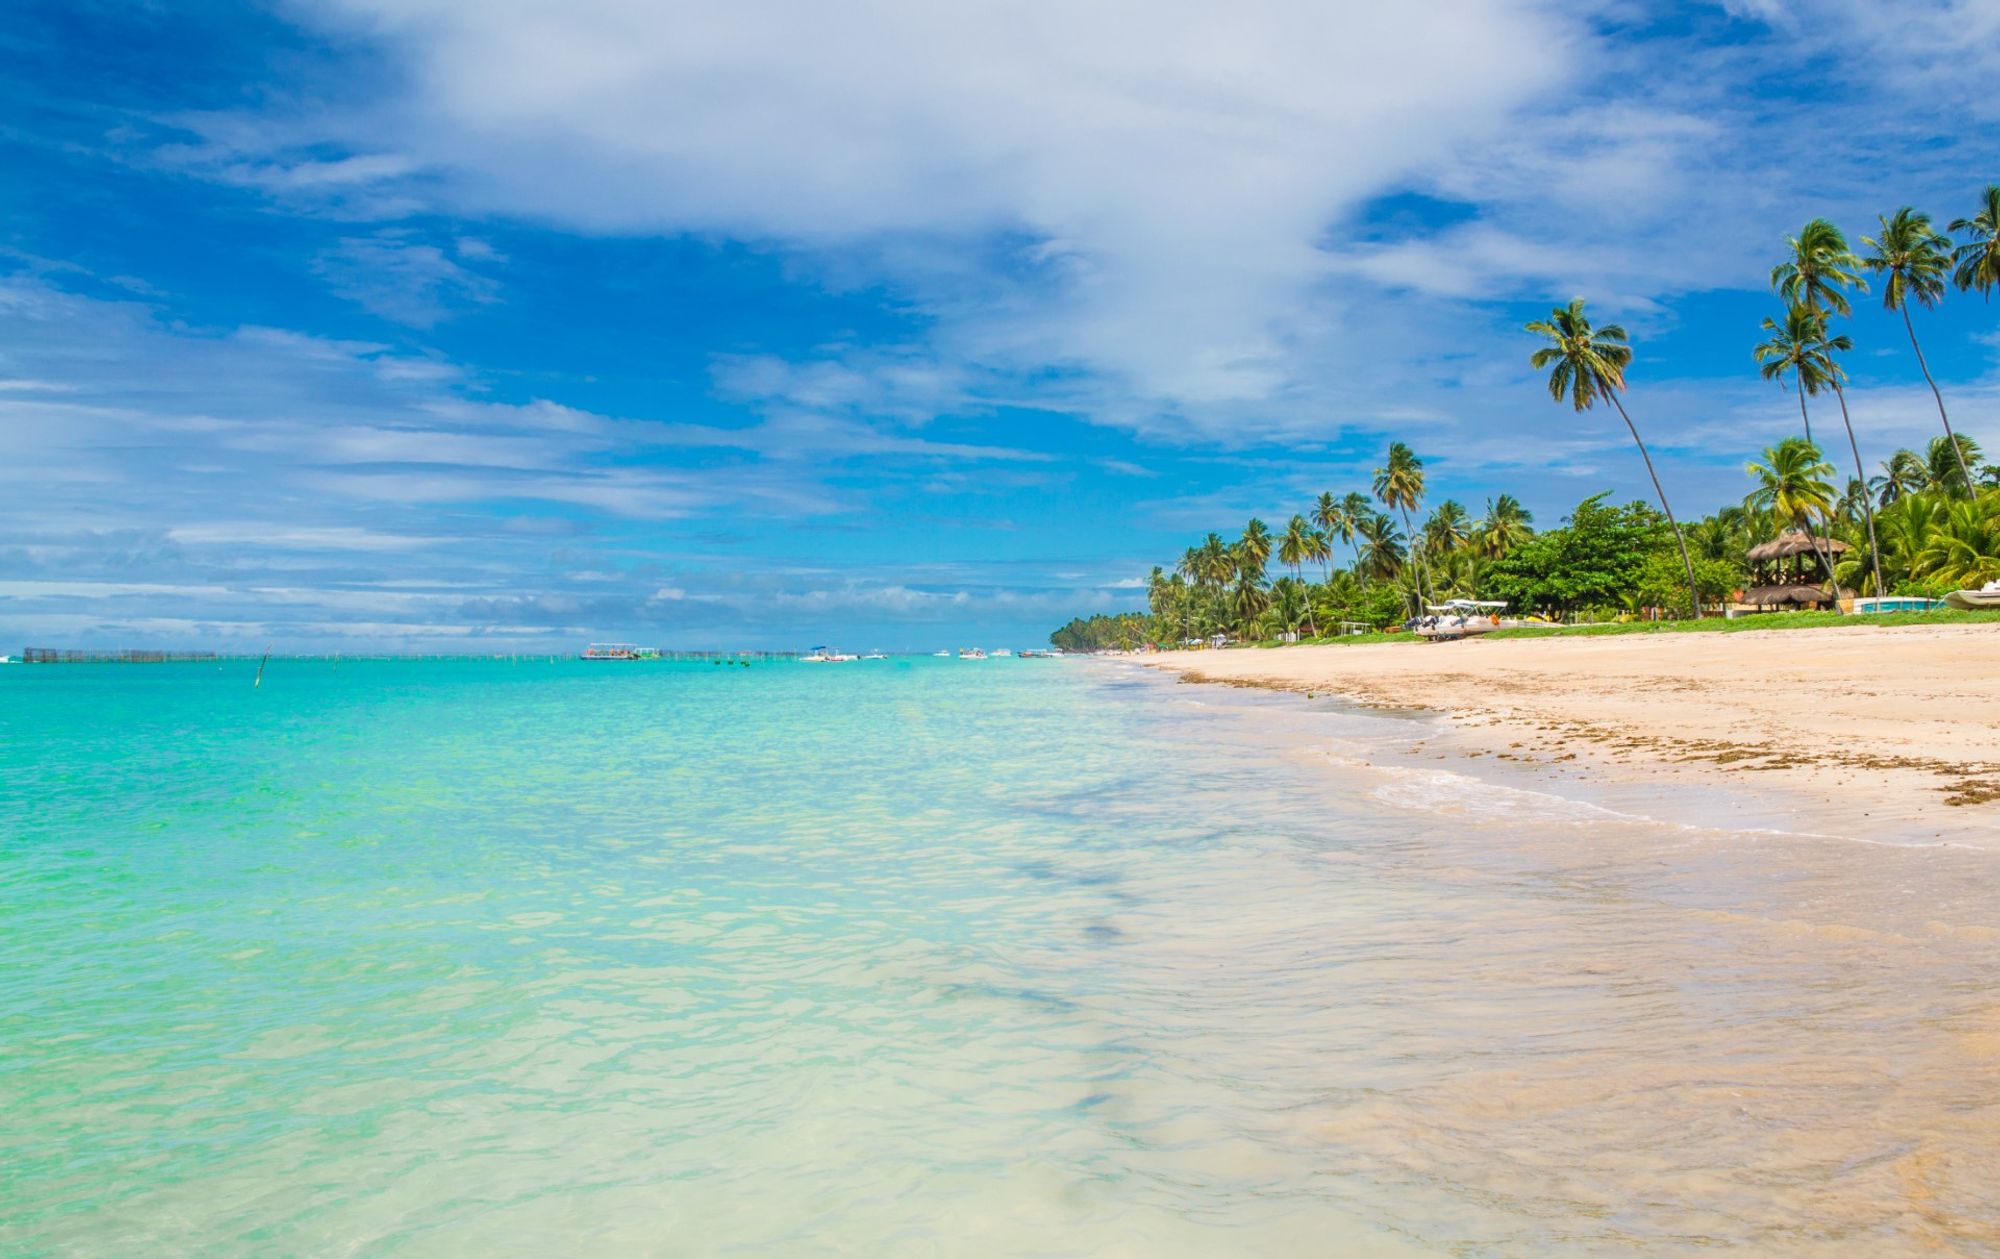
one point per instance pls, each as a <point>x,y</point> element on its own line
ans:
<point>260,670</point>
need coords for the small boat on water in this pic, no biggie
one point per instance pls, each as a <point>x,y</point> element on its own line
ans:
<point>826,655</point>
<point>1050,654</point>
<point>620,651</point>
<point>1458,618</point>
<point>971,653</point>
<point>877,654</point>
<point>942,655</point>
<point>1987,596</point>
<point>1001,652</point>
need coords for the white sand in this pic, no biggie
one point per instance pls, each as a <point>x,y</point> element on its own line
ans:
<point>1867,731</point>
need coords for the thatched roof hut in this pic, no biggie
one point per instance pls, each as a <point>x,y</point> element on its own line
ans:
<point>1788,571</point>
<point>1790,543</point>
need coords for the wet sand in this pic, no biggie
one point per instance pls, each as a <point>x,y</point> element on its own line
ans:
<point>1870,733</point>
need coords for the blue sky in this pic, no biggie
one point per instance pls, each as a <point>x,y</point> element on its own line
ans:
<point>418,325</point>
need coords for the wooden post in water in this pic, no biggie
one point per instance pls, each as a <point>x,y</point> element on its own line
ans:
<point>258,684</point>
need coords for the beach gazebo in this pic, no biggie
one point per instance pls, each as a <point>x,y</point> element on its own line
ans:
<point>1785,573</point>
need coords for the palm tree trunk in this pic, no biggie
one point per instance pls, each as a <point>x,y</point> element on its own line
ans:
<point>1299,577</point>
<point>1417,554</point>
<point>1867,502</point>
<point>1950,438</point>
<point>1805,522</point>
<point>1694,591</point>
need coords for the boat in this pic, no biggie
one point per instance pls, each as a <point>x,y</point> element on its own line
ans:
<point>1002,651</point>
<point>942,655</point>
<point>1049,654</point>
<point>877,654</point>
<point>1987,596</point>
<point>971,653</point>
<point>1458,618</point>
<point>826,655</point>
<point>620,651</point>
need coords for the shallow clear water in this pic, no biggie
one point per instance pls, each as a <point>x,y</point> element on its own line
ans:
<point>935,958</point>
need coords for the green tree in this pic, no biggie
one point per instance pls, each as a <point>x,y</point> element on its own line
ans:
<point>1588,364</point>
<point>1979,258</point>
<point>1792,489</point>
<point>1399,483</point>
<point>1299,545</point>
<point>1802,347</point>
<point>1595,558</point>
<point>1379,553</point>
<point>1819,269</point>
<point>1505,525</point>
<point>1913,259</point>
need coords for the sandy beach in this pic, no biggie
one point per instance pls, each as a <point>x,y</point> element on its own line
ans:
<point>1872,733</point>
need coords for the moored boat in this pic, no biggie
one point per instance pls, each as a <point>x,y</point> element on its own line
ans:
<point>1458,618</point>
<point>1987,596</point>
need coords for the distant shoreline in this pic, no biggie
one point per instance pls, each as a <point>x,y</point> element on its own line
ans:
<point>1872,733</point>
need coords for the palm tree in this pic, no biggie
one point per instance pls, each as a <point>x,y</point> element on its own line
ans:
<point>1400,484</point>
<point>1945,464</point>
<point>1333,522</point>
<point>1912,255</point>
<point>1249,599</point>
<point>1792,489</point>
<point>1979,258</point>
<point>1902,473</point>
<point>1794,347</point>
<point>1448,528</point>
<point>1802,347</point>
<point>1819,271</point>
<point>1255,547</point>
<point>1298,545</point>
<point>1380,550</point>
<point>1506,525</point>
<point>1588,364</point>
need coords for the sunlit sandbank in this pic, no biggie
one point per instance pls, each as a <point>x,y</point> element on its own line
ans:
<point>1871,732</point>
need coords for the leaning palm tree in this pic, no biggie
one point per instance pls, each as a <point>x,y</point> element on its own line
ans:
<point>1828,347</point>
<point>1792,489</point>
<point>1911,256</point>
<point>1400,484</point>
<point>1903,473</point>
<point>1589,363</point>
<point>1979,258</point>
<point>1819,271</point>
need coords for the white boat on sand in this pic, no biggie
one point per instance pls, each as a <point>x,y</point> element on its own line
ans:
<point>1459,618</point>
<point>1987,596</point>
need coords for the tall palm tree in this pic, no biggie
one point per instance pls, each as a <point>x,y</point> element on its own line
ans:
<point>1829,346</point>
<point>1802,347</point>
<point>1254,548</point>
<point>1400,484</point>
<point>1794,348</point>
<point>1902,473</point>
<point>1979,258</point>
<point>1505,526</point>
<point>1379,553</point>
<point>1792,488</point>
<point>1298,545</point>
<point>1448,528</point>
<point>1333,521</point>
<point>1589,364</point>
<point>1819,271</point>
<point>1945,464</point>
<point>1911,256</point>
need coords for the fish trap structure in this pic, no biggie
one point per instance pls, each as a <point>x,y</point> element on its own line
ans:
<point>61,655</point>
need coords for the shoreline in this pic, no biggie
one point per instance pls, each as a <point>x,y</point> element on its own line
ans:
<point>1880,734</point>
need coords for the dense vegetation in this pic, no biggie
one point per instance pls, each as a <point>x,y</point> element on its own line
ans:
<point>1926,522</point>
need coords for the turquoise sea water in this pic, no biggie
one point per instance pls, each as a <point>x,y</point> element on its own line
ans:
<point>933,958</point>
